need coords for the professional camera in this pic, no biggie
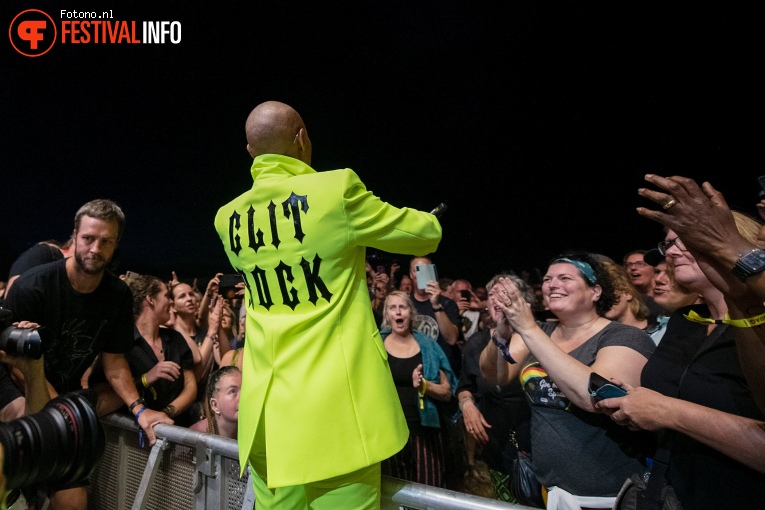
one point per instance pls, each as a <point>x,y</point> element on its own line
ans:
<point>22,342</point>
<point>61,445</point>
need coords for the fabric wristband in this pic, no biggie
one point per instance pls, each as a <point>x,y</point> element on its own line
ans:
<point>424,387</point>
<point>751,322</point>
<point>140,430</point>
<point>504,349</point>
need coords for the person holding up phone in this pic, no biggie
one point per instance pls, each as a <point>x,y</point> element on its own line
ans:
<point>437,316</point>
<point>576,452</point>
<point>469,306</point>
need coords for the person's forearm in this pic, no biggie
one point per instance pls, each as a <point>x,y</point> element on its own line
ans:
<point>447,328</point>
<point>224,341</point>
<point>36,391</point>
<point>570,376</point>
<point>206,349</point>
<point>756,284</point>
<point>750,345</point>
<point>204,307</point>
<point>439,391</point>
<point>741,439</point>
<point>188,394</point>
<point>494,368</point>
<point>465,398</point>
<point>118,374</point>
<point>727,254</point>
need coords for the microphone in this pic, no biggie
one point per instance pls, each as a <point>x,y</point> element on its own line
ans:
<point>439,210</point>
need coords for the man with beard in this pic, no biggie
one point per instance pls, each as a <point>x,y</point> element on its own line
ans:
<point>88,310</point>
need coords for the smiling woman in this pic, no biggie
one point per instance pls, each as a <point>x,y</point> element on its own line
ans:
<point>554,360</point>
<point>694,386</point>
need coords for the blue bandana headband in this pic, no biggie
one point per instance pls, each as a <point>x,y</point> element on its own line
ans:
<point>583,268</point>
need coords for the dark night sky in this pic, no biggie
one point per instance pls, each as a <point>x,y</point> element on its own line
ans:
<point>534,123</point>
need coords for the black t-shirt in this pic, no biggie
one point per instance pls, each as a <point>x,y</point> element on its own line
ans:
<point>83,325</point>
<point>702,476</point>
<point>401,369</point>
<point>36,255</point>
<point>505,408</point>
<point>425,321</point>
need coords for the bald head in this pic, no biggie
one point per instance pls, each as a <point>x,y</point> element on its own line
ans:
<point>276,128</point>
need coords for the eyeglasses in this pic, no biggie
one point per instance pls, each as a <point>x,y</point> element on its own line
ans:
<point>666,245</point>
<point>380,289</point>
<point>638,264</point>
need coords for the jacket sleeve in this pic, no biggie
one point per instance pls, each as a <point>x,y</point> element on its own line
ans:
<point>380,225</point>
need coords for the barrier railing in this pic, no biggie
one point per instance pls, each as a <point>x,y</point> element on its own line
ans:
<point>187,470</point>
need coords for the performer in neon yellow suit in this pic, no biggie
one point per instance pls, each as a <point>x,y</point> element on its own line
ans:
<point>318,409</point>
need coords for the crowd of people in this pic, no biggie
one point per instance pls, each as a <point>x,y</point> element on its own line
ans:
<point>480,370</point>
<point>673,325</point>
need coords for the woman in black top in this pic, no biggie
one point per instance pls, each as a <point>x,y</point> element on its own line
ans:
<point>694,389</point>
<point>160,360</point>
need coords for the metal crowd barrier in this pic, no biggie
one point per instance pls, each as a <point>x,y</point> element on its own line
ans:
<point>187,470</point>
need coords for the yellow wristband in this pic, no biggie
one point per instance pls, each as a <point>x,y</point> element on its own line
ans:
<point>424,387</point>
<point>751,322</point>
<point>144,381</point>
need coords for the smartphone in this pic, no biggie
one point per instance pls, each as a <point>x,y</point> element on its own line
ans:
<point>380,269</point>
<point>425,273</point>
<point>129,275</point>
<point>465,294</point>
<point>601,388</point>
<point>227,286</point>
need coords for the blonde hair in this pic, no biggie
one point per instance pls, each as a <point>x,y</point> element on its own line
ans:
<point>622,284</point>
<point>747,226</point>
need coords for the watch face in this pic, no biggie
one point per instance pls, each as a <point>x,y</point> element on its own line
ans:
<point>754,260</point>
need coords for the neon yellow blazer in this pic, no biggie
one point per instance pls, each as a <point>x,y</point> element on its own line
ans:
<point>315,370</point>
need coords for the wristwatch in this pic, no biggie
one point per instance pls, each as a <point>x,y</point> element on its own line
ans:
<point>749,264</point>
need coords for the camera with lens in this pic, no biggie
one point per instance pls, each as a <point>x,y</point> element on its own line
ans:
<point>61,445</point>
<point>22,342</point>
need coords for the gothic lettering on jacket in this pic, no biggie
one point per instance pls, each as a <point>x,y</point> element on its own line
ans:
<point>293,201</point>
<point>256,238</point>
<point>285,274</point>
<point>233,237</point>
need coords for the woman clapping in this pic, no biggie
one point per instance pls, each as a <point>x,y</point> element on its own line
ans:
<point>573,448</point>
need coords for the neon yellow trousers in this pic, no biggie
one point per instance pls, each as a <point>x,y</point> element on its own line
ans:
<point>359,490</point>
